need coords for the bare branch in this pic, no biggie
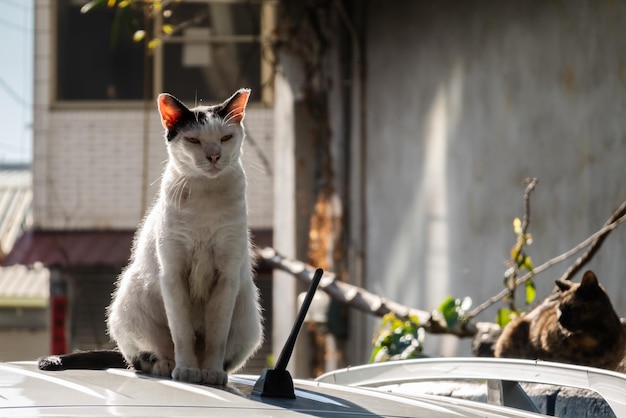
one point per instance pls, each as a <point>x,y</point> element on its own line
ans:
<point>360,298</point>
<point>595,245</point>
<point>532,182</point>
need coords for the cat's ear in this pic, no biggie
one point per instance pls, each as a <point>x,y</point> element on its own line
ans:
<point>589,280</point>
<point>172,111</point>
<point>234,109</point>
<point>589,284</point>
<point>563,284</point>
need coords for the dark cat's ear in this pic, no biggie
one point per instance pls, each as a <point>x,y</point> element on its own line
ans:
<point>563,284</point>
<point>234,109</point>
<point>172,111</point>
<point>589,280</point>
<point>589,285</point>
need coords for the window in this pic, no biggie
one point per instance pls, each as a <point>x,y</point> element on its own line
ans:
<point>216,47</point>
<point>89,67</point>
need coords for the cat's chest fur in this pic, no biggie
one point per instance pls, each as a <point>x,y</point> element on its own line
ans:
<point>202,209</point>
<point>205,221</point>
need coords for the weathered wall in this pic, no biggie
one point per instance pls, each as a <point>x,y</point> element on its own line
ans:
<point>465,100</point>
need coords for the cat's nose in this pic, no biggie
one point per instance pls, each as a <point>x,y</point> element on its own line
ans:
<point>213,153</point>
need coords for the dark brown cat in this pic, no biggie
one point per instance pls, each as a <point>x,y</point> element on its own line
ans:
<point>577,326</point>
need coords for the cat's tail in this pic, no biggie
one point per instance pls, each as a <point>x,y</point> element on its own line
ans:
<point>85,360</point>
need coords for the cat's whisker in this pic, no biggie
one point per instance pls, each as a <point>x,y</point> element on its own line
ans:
<point>231,115</point>
<point>180,191</point>
<point>157,179</point>
<point>183,190</point>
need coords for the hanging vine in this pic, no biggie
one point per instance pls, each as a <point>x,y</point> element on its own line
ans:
<point>304,32</point>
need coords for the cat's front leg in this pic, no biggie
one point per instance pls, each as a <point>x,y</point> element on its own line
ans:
<point>176,298</point>
<point>217,319</point>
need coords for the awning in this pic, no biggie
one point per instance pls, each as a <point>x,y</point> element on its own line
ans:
<point>71,248</point>
<point>24,286</point>
<point>16,196</point>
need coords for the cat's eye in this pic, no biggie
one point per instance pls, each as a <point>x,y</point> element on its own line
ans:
<point>226,138</point>
<point>192,140</point>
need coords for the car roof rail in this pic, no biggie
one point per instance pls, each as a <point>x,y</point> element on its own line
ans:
<point>609,384</point>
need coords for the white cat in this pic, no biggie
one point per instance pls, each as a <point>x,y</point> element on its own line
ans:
<point>186,305</point>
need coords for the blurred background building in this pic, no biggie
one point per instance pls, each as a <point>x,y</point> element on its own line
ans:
<point>388,142</point>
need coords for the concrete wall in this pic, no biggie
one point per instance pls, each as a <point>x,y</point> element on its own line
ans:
<point>465,100</point>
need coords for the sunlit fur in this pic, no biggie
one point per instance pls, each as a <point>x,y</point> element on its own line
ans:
<point>186,305</point>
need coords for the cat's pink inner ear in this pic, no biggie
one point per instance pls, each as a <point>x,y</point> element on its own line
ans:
<point>170,110</point>
<point>236,109</point>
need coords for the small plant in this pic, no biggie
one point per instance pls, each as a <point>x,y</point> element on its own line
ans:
<point>519,263</point>
<point>398,339</point>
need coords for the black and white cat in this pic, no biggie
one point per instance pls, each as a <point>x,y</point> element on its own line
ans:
<point>186,306</point>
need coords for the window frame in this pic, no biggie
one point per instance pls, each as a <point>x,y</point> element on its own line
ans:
<point>264,38</point>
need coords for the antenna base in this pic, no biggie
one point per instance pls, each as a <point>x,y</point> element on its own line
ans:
<point>275,384</point>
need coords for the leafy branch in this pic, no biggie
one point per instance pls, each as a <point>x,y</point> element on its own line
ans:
<point>593,243</point>
<point>519,261</point>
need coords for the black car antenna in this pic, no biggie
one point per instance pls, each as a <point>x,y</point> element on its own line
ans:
<point>277,382</point>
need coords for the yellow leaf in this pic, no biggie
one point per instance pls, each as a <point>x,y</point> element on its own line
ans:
<point>154,43</point>
<point>111,3</point>
<point>157,6</point>
<point>517,226</point>
<point>168,29</point>
<point>139,35</point>
<point>514,253</point>
<point>528,263</point>
<point>123,3</point>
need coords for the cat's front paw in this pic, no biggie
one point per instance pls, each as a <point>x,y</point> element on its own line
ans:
<point>187,374</point>
<point>214,377</point>
<point>162,368</point>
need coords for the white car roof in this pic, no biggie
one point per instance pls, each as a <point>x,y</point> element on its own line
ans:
<point>27,391</point>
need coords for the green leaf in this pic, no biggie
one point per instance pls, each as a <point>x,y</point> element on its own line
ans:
<point>448,309</point>
<point>531,292</point>
<point>504,316</point>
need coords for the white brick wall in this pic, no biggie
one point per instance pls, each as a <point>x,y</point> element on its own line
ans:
<point>93,168</point>
<point>87,163</point>
<point>258,160</point>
